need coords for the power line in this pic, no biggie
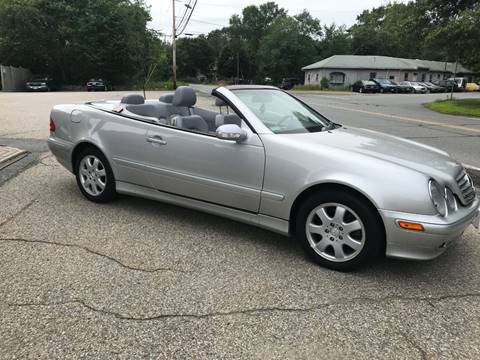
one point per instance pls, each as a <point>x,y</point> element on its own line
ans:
<point>189,17</point>
<point>187,7</point>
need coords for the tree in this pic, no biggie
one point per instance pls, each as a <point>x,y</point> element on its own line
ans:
<point>395,29</point>
<point>459,38</point>
<point>194,56</point>
<point>335,41</point>
<point>285,49</point>
<point>75,40</point>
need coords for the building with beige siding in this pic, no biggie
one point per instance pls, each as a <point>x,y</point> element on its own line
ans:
<point>344,70</point>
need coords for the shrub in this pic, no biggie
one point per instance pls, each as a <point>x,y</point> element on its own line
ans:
<point>324,83</point>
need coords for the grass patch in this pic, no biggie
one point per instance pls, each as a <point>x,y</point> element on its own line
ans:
<point>465,107</point>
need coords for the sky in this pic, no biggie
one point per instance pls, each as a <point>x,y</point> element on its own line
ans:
<point>214,14</point>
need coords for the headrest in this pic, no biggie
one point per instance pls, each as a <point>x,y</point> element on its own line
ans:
<point>166,98</point>
<point>227,119</point>
<point>134,99</point>
<point>219,102</point>
<point>184,96</point>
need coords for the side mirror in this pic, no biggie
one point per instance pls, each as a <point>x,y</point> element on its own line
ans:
<point>231,132</point>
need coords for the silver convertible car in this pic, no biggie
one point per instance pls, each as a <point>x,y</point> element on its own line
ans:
<point>264,157</point>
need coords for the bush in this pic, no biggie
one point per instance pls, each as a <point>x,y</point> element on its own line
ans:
<point>324,83</point>
<point>159,85</point>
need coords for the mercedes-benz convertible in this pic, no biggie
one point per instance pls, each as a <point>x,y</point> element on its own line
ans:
<point>263,157</point>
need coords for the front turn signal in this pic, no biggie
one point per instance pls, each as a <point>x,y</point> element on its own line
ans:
<point>411,226</point>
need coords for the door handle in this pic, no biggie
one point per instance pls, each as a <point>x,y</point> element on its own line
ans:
<point>156,140</point>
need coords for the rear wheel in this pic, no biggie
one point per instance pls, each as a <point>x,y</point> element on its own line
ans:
<point>339,230</point>
<point>94,176</point>
<point>381,90</point>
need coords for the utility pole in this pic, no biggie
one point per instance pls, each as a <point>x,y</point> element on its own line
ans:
<point>174,47</point>
<point>454,80</point>
<point>238,67</point>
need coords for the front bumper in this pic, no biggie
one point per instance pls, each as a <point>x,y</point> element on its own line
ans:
<point>439,234</point>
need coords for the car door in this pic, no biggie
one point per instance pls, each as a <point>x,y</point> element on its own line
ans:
<point>203,167</point>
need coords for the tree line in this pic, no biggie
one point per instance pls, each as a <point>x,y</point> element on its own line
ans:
<point>76,40</point>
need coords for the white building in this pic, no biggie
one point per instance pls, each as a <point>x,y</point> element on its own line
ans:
<point>344,70</point>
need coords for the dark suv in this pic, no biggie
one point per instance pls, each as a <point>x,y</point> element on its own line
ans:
<point>289,83</point>
<point>97,85</point>
<point>41,84</point>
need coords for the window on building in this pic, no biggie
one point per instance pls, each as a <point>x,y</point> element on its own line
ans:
<point>373,75</point>
<point>405,77</point>
<point>423,77</point>
<point>337,78</point>
<point>316,78</point>
<point>308,77</point>
<point>431,77</point>
<point>392,77</point>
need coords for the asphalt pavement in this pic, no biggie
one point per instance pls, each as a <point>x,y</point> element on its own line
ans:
<point>141,279</point>
<point>404,115</point>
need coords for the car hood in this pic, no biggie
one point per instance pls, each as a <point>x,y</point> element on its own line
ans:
<point>403,152</point>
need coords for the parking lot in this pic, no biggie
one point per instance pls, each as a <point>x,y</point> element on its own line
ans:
<point>141,279</point>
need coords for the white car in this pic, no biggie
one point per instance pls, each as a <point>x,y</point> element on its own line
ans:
<point>415,86</point>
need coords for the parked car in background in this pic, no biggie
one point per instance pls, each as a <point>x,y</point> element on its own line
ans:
<point>448,85</point>
<point>431,87</point>
<point>289,83</point>
<point>271,161</point>
<point>417,88</point>
<point>472,87</point>
<point>461,82</point>
<point>365,86</point>
<point>405,89</point>
<point>41,84</point>
<point>385,86</point>
<point>97,85</point>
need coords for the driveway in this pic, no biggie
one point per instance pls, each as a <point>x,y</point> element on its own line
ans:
<point>141,279</point>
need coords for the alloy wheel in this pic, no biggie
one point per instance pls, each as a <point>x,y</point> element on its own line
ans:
<point>335,232</point>
<point>93,176</point>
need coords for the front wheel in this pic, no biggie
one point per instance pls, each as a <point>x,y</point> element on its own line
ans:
<point>95,176</point>
<point>339,230</point>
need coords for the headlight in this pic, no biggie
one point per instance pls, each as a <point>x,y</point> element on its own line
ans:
<point>438,197</point>
<point>451,200</point>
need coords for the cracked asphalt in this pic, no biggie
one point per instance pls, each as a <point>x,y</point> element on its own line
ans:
<point>141,279</point>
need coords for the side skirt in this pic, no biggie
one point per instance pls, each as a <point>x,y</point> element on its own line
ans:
<point>279,226</point>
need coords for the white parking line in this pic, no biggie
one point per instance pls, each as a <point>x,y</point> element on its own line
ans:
<point>404,118</point>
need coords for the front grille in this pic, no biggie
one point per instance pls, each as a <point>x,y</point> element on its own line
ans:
<point>465,186</point>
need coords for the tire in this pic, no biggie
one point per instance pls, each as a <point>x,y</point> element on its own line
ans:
<point>360,90</point>
<point>382,90</point>
<point>369,238</point>
<point>95,176</point>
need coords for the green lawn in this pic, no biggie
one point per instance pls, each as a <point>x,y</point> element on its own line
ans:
<point>465,107</point>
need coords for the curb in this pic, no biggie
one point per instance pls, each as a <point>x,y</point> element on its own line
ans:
<point>9,155</point>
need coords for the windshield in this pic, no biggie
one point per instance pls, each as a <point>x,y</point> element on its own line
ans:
<point>282,113</point>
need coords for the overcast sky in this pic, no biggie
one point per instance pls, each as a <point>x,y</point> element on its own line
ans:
<point>213,14</point>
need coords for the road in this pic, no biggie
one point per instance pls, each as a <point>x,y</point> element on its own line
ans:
<point>403,115</point>
<point>140,279</point>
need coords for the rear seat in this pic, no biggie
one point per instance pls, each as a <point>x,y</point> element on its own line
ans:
<point>182,115</point>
